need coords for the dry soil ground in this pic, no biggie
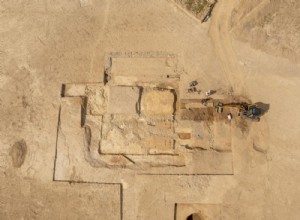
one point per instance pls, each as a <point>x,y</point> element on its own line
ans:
<point>248,48</point>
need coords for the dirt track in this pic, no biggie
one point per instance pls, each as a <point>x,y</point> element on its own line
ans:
<point>219,33</point>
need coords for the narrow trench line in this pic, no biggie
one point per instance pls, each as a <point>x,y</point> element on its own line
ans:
<point>57,130</point>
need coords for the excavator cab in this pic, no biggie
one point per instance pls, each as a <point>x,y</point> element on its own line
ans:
<point>252,112</point>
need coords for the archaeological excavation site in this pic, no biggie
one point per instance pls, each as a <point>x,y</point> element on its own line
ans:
<point>149,110</point>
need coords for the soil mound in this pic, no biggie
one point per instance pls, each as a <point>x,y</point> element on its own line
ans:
<point>18,153</point>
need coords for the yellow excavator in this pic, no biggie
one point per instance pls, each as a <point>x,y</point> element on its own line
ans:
<point>246,111</point>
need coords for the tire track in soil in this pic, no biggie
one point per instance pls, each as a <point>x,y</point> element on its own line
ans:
<point>219,33</point>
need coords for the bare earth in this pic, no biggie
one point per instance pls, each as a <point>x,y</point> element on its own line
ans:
<point>97,121</point>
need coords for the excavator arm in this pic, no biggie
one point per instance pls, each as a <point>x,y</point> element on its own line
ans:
<point>247,111</point>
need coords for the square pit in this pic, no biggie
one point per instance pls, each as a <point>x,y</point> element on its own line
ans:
<point>123,100</point>
<point>157,102</point>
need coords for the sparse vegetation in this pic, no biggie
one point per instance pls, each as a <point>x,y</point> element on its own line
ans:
<point>189,4</point>
<point>196,6</point>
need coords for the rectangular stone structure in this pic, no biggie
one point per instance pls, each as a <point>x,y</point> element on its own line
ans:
<point>129,71</point>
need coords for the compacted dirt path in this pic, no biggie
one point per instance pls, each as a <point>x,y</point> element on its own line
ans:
<point>219,33</point>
